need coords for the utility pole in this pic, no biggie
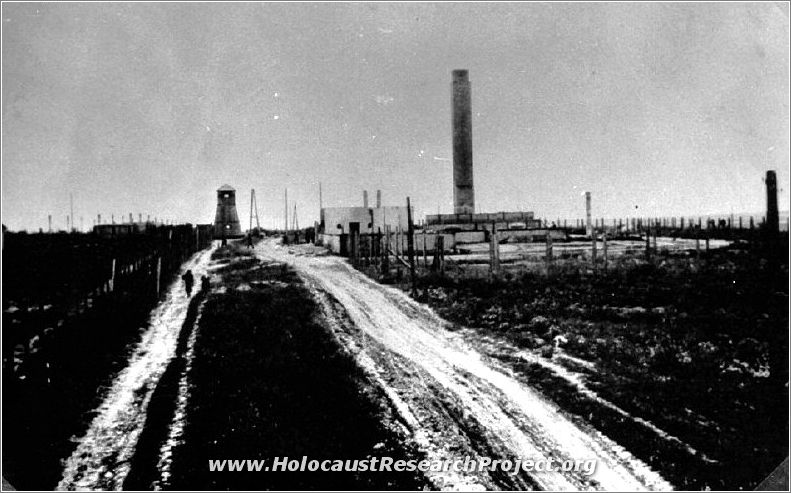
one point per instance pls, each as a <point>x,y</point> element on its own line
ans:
<point>772,216</point>
<point>254,209</point>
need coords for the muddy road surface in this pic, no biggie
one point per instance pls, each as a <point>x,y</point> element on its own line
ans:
<point>454,400</point>
<point>102,458</point>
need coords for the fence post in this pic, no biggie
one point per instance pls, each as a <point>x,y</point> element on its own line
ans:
<point>159,271</point>
<point>398,251</point>
<point>442,255</point>
<point>410,244</point>
<point>112,277</point>
<point>494,252</point>
<point>593,246</point>
<point>425,256</point>
<point>656,232</point>
<point>356,248</point>
<point>439,246</point>
<point>604,248</point>
<point>772,216</point>
<point>648,245</point>
<point>549,252</point>
<point>386,250</point>
<point>697,243</point>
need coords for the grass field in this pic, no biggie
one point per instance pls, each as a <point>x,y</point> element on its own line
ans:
<point>698,349</point>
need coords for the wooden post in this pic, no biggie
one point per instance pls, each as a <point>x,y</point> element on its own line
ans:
<point>386,250</point>
<point>697,243</point>
<point>593,247</point>
<point>604,248</point>
<point>410,243</point>
<point>159,272</point>
<point>707,244</point>
<point>355,247</point>
<point>656,250</point>
<point>549,252</point>
<point>425,256</point>
<point>494,252</point>
<point>439,246</point>
<point>112,277</point>
<point>442,255</point>
<point>648,244</point>
<point>772,216</point>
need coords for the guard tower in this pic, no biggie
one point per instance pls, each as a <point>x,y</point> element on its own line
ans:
<point>226,221</point>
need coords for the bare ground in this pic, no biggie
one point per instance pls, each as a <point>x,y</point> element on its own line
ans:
<point>456,400</point>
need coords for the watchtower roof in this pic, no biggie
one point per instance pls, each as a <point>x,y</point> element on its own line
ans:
<point>226,188</point>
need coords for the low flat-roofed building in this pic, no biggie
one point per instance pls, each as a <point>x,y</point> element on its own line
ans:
<point>342,220</point>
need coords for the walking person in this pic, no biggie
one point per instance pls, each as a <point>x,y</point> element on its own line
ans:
<point>189,280</point>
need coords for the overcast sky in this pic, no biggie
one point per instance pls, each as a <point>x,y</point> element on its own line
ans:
<point>657,109</point>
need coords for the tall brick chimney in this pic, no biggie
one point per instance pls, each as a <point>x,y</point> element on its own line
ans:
<point>463,192</point>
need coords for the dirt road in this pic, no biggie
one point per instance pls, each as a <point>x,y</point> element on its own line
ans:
<point>103,455</point>
<point>455,401</point>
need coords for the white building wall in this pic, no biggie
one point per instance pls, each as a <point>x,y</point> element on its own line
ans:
<point>393,216</point>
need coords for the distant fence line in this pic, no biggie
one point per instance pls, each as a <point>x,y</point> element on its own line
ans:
<point>390,249</point>
<point>50,278</point>
<point>718,226</point>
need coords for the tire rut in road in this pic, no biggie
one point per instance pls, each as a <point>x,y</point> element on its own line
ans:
<point>521,421</point>
<point>450,429</point>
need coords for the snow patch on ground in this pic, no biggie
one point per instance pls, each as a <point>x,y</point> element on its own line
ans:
<point>176,429</point>
<point>416,333</point>
<point>578,381</point>
<point>103,455</point>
